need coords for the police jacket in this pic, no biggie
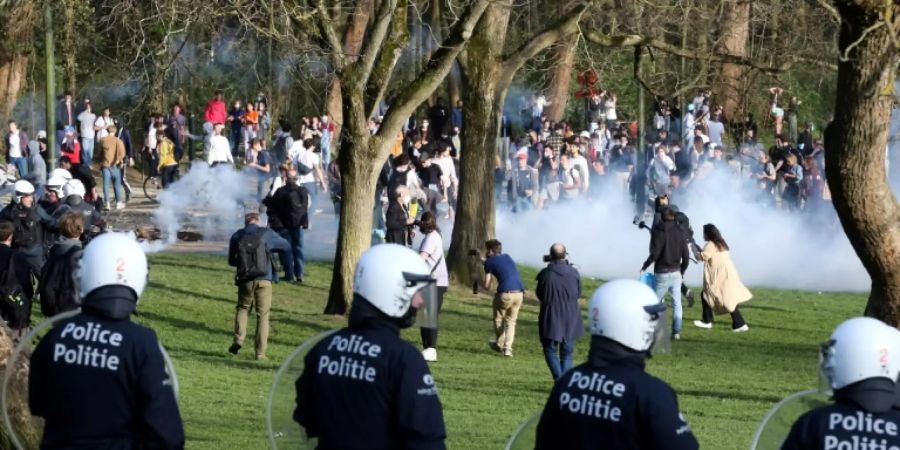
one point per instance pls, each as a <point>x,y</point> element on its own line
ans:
<point>558,289</point>
<point>99,380</point>
<point>29,224</point>
<point>864,416</point>
<point>93,221</point>
<point>610,403</point>
<point>366,375</point>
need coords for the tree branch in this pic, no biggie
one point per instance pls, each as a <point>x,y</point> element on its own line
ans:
<point>630,40</point>
<point>325,24</point>
<point>372,46</point>
<point>435,71</point>
<point>563,27</point>
<point>390,53</point>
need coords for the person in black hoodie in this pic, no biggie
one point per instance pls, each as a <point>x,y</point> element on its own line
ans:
<point>59,279</point>
<point>366,374</point>
<point>559,320</point>
<point>98,379</point>
<point>397,218</point>
<point>274,220</point>
<point>610,402</point>
<point>15,283</point>
<point>31,225</point>
<point>291,204</point>
<point>862,363</point>
<point>670,257</point>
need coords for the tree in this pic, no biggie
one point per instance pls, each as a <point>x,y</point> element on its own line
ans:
<point>15,46</point>
<point>734,30</point>
<point>487,73</point>
<point>364,79</point>
<point>855,145</point>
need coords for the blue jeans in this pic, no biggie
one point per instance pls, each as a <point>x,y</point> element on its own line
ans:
<point>21,166</point>
<point>671,282</point>
<point>114,176</point>
<point>313,190</point>
<point>87,149</point>
<point>286,258</point>
<point>561,363</point>
<point>295,237</point>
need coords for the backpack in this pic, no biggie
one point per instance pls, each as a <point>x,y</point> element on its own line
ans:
<point>252,257</point>
<point>14,306</point>
<point>59,288</point>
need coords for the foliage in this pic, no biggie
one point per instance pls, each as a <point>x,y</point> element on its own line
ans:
<point>726,382</point>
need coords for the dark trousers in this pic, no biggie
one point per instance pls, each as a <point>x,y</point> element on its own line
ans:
<point>737,320</point>
<point>430,335</point>
<point>286,258</point>
<point>168,174</point>
<point>295,237</point>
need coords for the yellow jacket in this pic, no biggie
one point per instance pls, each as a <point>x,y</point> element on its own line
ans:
<point>166,153</point>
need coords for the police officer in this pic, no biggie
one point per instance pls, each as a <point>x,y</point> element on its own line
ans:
<point>73,202</point>
<point>31,223</point>
<point>54,195</point>
<point>98,379</point>
<point>861,362</point>
<point>610,402</point>
<point>366,374</point>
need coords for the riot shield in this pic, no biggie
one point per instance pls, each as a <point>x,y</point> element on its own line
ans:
<point>778,422</point>
<point>25,430</point>
<point>524,436</point>
<point>282,431</point>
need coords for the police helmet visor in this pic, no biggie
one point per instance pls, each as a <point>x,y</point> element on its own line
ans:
<point>524,437</point>
<point>662,334</point>
<point>425,299</point>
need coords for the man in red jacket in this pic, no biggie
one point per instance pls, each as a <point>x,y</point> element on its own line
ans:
<point>215,109</point>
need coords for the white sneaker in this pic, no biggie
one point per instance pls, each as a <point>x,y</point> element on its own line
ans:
<point>507,352</point>
<point>676,336</point>
<point>430,354</point>
<point>120,205</point>
<point>702,324</point>
<point>742,329</point>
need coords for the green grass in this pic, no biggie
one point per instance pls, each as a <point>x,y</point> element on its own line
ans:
<point>725,382</point>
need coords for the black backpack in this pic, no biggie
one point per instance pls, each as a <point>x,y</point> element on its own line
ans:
<point>15,307</point>
<point>59,287</point>
<point>252,257</point>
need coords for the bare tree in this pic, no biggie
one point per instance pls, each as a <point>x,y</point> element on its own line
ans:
<point>15,48</point>
<point>855,146</point>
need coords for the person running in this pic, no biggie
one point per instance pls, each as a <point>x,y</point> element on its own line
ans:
<point>722,287</point>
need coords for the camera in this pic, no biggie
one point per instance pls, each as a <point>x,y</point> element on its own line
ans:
<point>547,258</point>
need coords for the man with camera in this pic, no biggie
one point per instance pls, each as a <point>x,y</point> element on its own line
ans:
<point>559,320</point>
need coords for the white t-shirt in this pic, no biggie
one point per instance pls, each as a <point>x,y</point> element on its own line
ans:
<point>581,164</point>
<point>87,119</point>
<point>102,123</point>
<point>570,178</point>
<point>539,104</point>
<point>309,159</point>
<point>448,170</point>
<point>433,246</point>
<point>15,145</point>
<point>716,130</point>
<point>151,137</point>
<point>219,150</point>
<point>610,106</point>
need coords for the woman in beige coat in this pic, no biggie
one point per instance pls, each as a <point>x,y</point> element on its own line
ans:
<point>722,287</point>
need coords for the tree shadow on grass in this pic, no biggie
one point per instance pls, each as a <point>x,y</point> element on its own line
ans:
<point>752,306</point>
<point>176,263</point>
<point>736,396</point>
<point>187,293</point>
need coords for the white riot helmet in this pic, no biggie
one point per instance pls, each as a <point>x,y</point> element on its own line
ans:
<point>74,187</point>
<point>388,276</point>
<point>55,184</point>
<point>113,259</point>
<point>859,349</point>
<point>23,188</point>
<point>628,312</point>
<point>61,173</point>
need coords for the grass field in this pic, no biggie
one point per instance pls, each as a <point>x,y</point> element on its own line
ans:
<point>726,382</point>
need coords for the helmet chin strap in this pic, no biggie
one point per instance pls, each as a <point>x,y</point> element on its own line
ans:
<point>409,318</point>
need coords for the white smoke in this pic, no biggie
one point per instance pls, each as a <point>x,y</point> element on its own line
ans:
<point>211,201</point>
<point>771,248</point>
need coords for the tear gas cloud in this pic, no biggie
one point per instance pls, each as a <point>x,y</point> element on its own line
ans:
<point>771,248</point>
<point>209,200</point>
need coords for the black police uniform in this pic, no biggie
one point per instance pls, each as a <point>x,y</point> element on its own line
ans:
<point>368,376</point>
<point>30,225</point>
<point>93,221</point>
<point>611,403</point>
<point>99,381</point>
<point>863,417</point>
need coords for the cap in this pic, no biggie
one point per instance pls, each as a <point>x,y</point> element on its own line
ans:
<point>69,129</point>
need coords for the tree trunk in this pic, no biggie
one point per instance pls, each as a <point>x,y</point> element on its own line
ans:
<point>483,96</point>
<point>855,150</point>
<point>564,60</point>
<point>353,40</point>
<point>16,39</point>
<point>26,426</point>
<point>734,30</point>
<point>68,45</point>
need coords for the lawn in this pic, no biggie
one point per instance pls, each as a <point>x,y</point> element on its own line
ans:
<point>726,382</point>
